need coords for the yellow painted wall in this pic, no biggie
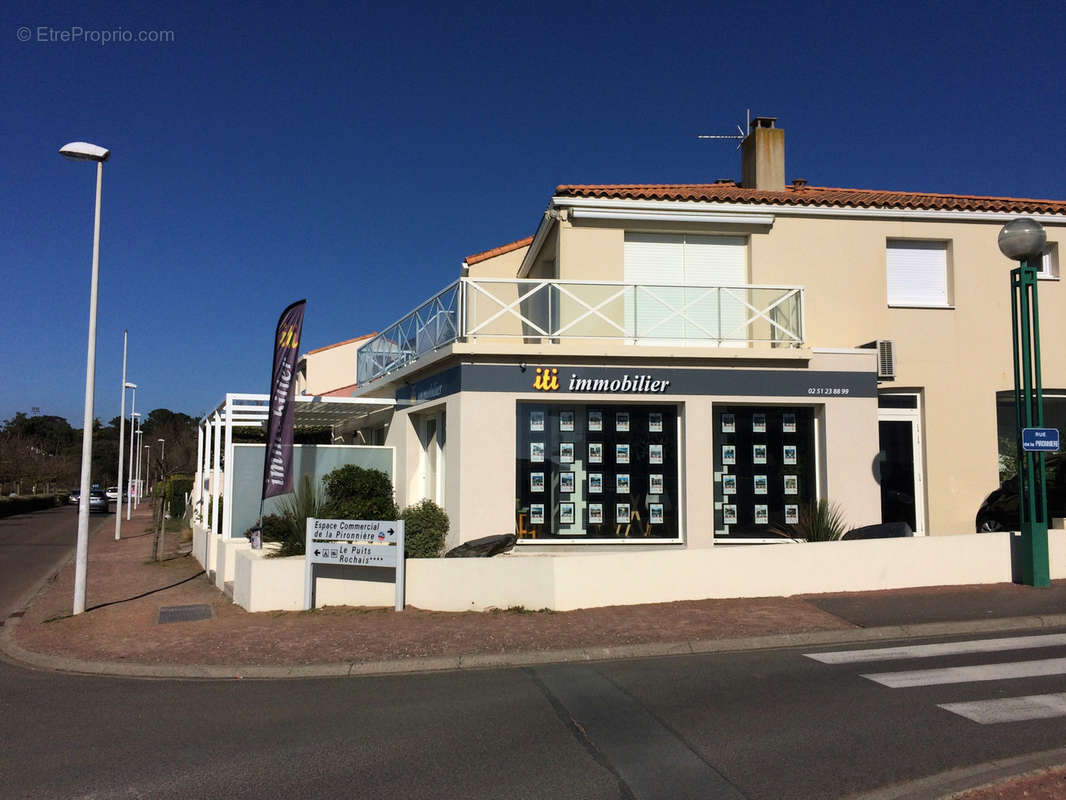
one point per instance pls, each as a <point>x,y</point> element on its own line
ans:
<point>958,358</point>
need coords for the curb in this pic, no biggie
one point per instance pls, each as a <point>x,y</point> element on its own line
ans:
<point>475,661</point>
<point>951,784</point>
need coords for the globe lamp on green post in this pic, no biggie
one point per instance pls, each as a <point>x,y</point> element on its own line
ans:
<point>1023,240</point>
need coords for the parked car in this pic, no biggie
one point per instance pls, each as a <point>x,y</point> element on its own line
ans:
<point>112,493</point>
<point>75,497</point>
<point>98,501</point>
<point>999,511</point>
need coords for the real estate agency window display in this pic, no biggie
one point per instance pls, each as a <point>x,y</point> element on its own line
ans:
<point>764,468</point>
<point>596,472</point>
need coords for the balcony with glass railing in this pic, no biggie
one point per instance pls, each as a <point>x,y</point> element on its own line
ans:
<point>539,311</point>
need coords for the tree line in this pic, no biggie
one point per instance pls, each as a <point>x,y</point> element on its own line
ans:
<point>41,453</point>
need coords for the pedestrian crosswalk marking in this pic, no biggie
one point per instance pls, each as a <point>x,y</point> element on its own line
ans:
<point>1010,709</point>
<point>984,672</point>
<point>941,649</point>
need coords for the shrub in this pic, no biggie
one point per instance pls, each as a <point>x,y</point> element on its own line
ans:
<point>207,510</point>
<point>274,528</point>
<point>425,526</point>
<point>356,493</point>
<point>818,522</point>
<point>290,526</point>
<point>25,503</point>
<point>177,487</point>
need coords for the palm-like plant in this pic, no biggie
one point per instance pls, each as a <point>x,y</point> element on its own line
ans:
<point>822,521</point>
<point>295,510</point>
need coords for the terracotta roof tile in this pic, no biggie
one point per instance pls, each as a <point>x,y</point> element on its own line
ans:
<point>803,195</point>
<point>338,344</point>
<point>498,251</point>
<point>344,391</point>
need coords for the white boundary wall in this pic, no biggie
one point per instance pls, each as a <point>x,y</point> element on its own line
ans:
<point>565,582</point>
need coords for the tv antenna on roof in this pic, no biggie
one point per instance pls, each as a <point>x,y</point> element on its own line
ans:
<point>739,137</point>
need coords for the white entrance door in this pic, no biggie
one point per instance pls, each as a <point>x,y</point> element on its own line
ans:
<point>431,434</point>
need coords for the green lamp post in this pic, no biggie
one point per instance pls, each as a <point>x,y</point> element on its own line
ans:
<point>1023,240</point>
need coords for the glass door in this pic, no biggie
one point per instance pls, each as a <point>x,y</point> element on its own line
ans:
<point>899,462</point>
<point>432,438</point>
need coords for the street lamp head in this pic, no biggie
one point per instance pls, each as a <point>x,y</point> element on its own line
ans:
<point>130,385</point>
<point>160,440</point>
<point>83,151</point>
<point>1022,239</point>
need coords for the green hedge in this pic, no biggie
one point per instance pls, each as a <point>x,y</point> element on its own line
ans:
<point>27,503</point>
<point>356,493</point>
<point>177,487</point>
<point>425,527</point>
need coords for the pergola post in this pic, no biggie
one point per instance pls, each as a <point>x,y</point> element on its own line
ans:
<point>216,450</point>
<point>227,493</point>
<point>199,469</point>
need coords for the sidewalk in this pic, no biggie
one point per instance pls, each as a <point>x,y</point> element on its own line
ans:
<point>121,631</point>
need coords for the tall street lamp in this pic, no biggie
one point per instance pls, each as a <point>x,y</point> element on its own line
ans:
<point>1023,240</point>
<point>147,465</point>
<point>122,435</point>
<point>134,433</point>
<point>129,471</point>
<point>83,151</point>
<point>162,454</point>
<point>137,480</point>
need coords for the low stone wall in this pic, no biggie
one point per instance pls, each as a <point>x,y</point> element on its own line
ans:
<point>565,582</point>
<point>199,544</point>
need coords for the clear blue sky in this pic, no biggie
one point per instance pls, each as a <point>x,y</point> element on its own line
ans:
<point>353,154</point>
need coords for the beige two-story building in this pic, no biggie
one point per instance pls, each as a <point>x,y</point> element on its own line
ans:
<point>687,365</point>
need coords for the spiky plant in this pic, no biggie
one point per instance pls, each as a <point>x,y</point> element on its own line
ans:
<point>294,510</point>
<point>822,521</point>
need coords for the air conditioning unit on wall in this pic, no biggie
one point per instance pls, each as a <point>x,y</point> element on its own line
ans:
<point>886,358</point>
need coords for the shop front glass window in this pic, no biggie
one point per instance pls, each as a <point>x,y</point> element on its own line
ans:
<point>764,468</point>
<point>1007,426</point>
<point>596,472</point>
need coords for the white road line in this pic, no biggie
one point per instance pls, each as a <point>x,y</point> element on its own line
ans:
<point>943,649</point>
<point>1011,709</point>
<point>984,672</point>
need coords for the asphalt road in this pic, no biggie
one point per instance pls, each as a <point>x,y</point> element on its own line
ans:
<point>770,725</point>
<point>33,545</point>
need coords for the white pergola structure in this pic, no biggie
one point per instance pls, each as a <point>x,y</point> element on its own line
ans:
<point>215,438</point>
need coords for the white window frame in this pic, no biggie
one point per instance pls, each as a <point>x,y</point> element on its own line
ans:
<point>431,487</point>
<point>893,276</point>
<point>1049,266</point>
<point>914,417</point>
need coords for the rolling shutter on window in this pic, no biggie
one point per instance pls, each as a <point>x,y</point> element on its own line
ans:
<point>654,261</point>
<point>917,273</point>
<point>689,315</point>
<point>715,261</point>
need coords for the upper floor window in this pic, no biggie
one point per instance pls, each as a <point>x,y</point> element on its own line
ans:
<point>1050,266</point>
<point>675,304</point>
<point>918,273</point>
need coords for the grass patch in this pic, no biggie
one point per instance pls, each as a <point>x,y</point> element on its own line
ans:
<point>522,610</point>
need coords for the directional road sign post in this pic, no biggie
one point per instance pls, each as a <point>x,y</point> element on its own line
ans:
<point>354,543</point>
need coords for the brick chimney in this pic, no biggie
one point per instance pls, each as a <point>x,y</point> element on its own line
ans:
<point>763,156</point>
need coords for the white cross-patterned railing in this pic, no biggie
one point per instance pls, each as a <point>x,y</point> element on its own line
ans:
<point>537,310</point>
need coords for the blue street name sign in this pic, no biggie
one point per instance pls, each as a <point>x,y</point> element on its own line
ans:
<point>1040,440</point>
